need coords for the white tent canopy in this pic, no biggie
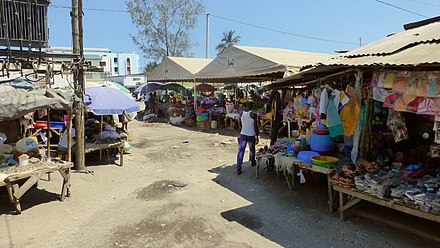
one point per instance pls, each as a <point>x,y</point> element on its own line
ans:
<point>243,63</point>
<point>174,69</point>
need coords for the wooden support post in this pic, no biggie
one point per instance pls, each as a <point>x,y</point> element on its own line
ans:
<point>48,134</point>
<point>69,136</point>
<point>341,205</point>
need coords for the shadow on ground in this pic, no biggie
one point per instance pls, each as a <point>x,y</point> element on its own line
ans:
<point>300,218</point>
<point>31,198</point>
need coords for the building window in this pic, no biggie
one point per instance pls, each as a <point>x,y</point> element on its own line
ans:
<point>115,60</point>
<point>102,63</point>
<point>128,66</point>
<point>116,70</point>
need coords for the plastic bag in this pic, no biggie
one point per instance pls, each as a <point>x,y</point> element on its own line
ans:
<point>3,138</point>
<point>396,124</point>
<point>26,144</point>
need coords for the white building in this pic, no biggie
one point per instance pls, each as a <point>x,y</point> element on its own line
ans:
<point>105,63</point>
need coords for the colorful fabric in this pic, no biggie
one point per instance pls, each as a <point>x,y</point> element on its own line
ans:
<point>389,101</point>
<point>323,102</point>
<point>425,107</point>
<point>334,123</point>
<point>350,113</point>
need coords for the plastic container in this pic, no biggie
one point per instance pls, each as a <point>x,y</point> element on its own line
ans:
<point>59,125</point>
<point>213,124</point>
<point>321,143</point>
<point>321,131</point>
<point>324,160</point>
<point>306,156</point>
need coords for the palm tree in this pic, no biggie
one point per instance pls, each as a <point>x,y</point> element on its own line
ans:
<point>227,41</point>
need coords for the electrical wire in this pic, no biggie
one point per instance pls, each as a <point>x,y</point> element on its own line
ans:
<point>403,9</point>
<point>231,20</point>
<point>425,3</point>
<point>284,32</point>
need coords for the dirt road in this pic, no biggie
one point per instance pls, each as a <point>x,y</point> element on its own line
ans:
<point>178,188</point>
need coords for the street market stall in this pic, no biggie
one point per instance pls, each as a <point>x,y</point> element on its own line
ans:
<point>23,162</point>
<point>106,101</point>
<point>393,151</point>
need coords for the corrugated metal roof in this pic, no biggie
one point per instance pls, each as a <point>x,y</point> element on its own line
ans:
<point>393,43</point>
<point>423,53</point>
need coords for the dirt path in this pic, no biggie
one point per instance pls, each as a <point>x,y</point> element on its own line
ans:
<point>178,188</point>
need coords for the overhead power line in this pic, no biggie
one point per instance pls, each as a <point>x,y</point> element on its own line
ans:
<point>425,3</point>
<point>227,19</point>
<point>284,32</point>
<point>91,9</point>
<point>403,9</point>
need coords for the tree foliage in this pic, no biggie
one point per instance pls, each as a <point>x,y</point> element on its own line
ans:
<point>227,41</point>
<point>163,26</point>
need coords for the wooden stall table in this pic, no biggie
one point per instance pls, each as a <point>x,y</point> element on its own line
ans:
<point>293,166</point>
<point>30,178</point>
<point>258,158</point>
<point>217,117</point>
<point>91,147</point>
<point>357,196</point>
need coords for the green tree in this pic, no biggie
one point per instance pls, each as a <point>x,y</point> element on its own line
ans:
<point>163,26</point>
<point>227,41</point>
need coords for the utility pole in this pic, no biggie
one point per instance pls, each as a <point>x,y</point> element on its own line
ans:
<point>360,41</point>
<point>207,35</point>
<point>77,45</point>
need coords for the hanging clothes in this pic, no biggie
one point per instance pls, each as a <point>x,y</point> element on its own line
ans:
<point>351,112</point>
<point>334,123</point>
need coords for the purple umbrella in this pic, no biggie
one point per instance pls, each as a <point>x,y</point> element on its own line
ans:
<point>109,101</point>
<point>148,87</point>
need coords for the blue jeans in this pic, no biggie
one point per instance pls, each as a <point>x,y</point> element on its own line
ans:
<point>242,142</point>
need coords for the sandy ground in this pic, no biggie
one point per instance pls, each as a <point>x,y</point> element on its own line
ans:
<point>143,204</point>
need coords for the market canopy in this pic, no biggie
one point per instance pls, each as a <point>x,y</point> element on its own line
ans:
<point>178,69</point>
<point>173,86</point>
<point>251,64</point>
<point>16,102</point>
<point>109,101</point>
<point>418,46</point>
<point>108,84</point>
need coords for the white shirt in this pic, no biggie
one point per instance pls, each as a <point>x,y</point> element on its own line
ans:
<point>247,124</point>
<point>63,140</point>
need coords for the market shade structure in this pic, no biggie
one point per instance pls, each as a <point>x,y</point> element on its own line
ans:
<point>15,102</point>
<point>173,86</point>
<point>148,87</point>
<point>250,64</point>
<point>418,46</point>
<point>177,69</point>
<point>109,101</point>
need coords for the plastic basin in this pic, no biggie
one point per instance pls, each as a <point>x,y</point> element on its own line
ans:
<point>306,156</point>
<point>324,160</point>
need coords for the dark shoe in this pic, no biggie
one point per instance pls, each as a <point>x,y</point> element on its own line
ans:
<point>239,172</point>
<point>254,164</point>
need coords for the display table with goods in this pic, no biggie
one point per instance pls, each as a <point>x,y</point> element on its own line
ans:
<point>216,116</point>
<point>103,138</point>
<point>412,190</point>
<point>284,161</point>
<point>19,179</point>
<point>230,119</point>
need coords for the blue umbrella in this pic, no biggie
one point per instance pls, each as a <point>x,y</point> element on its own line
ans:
<point>109,101</point>
<point>148,87</point>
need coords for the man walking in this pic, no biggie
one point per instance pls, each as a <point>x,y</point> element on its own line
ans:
<point>248,134</point>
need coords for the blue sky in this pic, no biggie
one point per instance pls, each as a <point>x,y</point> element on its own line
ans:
<point>339,20</point>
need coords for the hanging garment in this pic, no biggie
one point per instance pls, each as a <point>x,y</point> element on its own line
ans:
<point>344,98</point>
<point>334,123</point>
<point>390,101</point>
<point>379,94</point>
<point>350,113</point>
<point>337,95</point>
<point>425,107</point>
<point>378,79</point>
<point>323,102</point>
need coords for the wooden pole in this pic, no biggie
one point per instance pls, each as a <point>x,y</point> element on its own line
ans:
<point>69,136</point>
<point>77,37</point>
<point>48,134</point>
